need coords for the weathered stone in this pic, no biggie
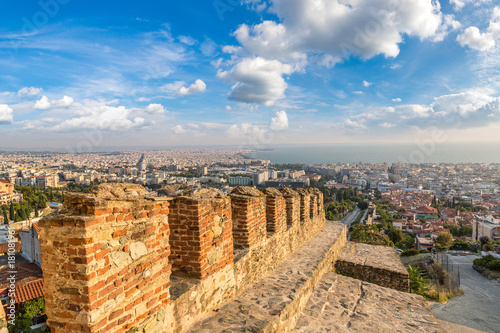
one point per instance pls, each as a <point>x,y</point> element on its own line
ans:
<point>137,250</point>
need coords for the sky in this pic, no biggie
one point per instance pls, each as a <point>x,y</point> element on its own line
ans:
<point>247,73</point>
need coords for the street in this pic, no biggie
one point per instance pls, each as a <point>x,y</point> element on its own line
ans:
<point>351,217</point>
<point>478,308</point>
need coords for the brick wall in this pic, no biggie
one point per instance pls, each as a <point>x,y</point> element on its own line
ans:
<point>249,216</point>
<point>201,234</point>
<point>105,261</point>
<point>108,255</point>
<point>275,211</point>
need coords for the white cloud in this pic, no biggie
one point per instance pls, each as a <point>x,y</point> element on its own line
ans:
<point>327,31</point>
<point>63,102</point>
<point>29,91</point>
<point>468,109</point>
<point>155,108</point>
<point>44,103</point>
<point>102,117</point>
<point>178,129</point>
<point>6,116</point>
<point>364,28</point>
<point>279,122</point>
<point>257,80</point>
<point>366,84</point>
<point>357,92</point>
<point>187,40</point>
<point>482,41</point>
<point>249,134</point>
<point>172,87</point>
<point>197,87</point>
<point>396,99</point>
<point>354,124</point>
<point>228,108</point>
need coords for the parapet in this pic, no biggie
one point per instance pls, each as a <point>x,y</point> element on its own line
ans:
<point>107,256</point>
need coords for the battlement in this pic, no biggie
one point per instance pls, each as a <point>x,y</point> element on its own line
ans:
<point>108,256</point>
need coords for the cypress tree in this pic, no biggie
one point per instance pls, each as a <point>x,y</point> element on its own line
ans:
<point>5,217</point>
<point>11,211</point>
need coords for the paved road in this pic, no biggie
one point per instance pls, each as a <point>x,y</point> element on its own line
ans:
<point>479,307</point>
<point>351,217</point>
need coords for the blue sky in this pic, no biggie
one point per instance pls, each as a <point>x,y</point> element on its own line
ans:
<point>248,73</point>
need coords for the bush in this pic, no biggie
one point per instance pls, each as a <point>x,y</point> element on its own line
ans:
<point>494,265</point>
<point>484,261</point>
<point>418,283</point>
<point>425,251</point>
<point>410,252</point>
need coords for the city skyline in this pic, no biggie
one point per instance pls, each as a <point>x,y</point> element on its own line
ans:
<point>255,73</point>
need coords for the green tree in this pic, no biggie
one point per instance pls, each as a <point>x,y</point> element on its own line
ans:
<point>36,210</point>
<point>24,316</point>
<point>5,217</point>
<point>444,239</point>
<point>395,235</point>
<point>11,211</point>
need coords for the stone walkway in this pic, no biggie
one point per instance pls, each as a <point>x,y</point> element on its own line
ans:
<point>281,293</point>
<point>343,304</point>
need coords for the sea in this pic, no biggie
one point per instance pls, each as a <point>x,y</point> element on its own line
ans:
<point>427,152</point>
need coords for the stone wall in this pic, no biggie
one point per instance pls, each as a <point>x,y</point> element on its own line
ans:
<point>375,264</point>
<point>108,255</point>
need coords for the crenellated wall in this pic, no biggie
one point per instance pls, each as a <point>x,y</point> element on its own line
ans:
<point>117,260</point>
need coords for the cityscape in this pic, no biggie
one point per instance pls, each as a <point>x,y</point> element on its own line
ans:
<point>250,166</point>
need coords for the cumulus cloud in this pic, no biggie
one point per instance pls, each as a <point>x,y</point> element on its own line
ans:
<point>197,87</point>
<point>328,31</point>
<point>178,129</point>
<point>155,108</point>
<point>44,103</point>
<point>468,109</point>
<point>482,41</point>
<point>29,91</point>
<point>279,122</point>
<point>249,134</point>
<point>366,84</point>
<point>357,92</point>
<point>257,80</point>
<point>102,117</point>
<point>364,28</point>
<point>6,116</point>
<point>396,99</point>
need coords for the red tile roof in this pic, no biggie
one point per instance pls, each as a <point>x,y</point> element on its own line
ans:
<point>4,248</point>
<point>29,290</point>
<point>37,227</point>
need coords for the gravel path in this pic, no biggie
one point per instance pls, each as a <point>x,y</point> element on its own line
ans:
<point>478,308</point>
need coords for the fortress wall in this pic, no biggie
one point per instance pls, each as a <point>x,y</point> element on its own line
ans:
<point>275,211</point>
<point>105,262</point>
<point>249,216</point>
<point>201,235</point>
<point>107,255</point>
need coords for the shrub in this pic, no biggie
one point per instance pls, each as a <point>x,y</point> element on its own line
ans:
<point>484,261</point>
<point>494,265</point>
<point>410,252</point>
<point>425,251</point>
<point>418,284</point>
